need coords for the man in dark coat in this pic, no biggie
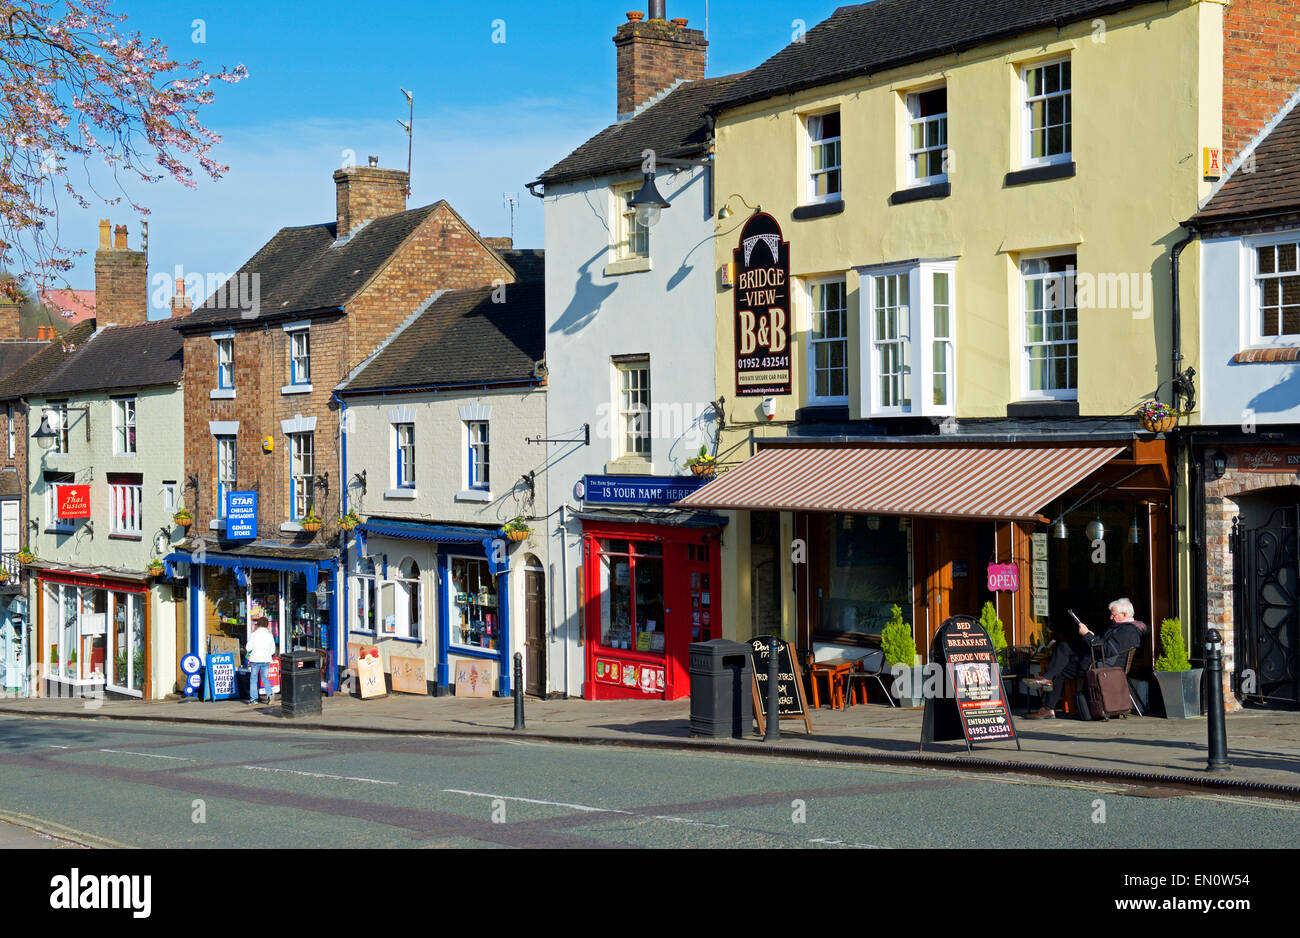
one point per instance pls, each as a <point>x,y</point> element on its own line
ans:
<point>1071,659</point>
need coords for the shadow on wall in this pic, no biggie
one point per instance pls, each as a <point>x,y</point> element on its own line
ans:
<point>1282,396</point>
<point>587,297</point>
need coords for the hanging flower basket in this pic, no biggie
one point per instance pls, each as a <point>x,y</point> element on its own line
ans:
<point>156,569</point>
<point>1157,417</point>
<point>702,464</point>
<point>349,521</point>
<point>26,556</point>
<point>516,530</point>
<point>4,575</point>
<point>312,523</point>
<point>183,518</point>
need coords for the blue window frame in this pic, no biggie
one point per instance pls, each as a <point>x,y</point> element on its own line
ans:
<point>225,364</point>
<point>405,455</point>
<point>479,477</point>
<point>300,357</point>
<point>226,471</point>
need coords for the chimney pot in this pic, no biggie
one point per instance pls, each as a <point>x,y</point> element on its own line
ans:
<point>119,238</point>
<point>104,233</point>
<point>658,9</point>
<point>374,160</point>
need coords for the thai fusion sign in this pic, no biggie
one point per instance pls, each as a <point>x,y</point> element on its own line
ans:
<point>1004,578</point>
<point>762,299</point>
<point>637,490</point>
<point>241,515</point>
<point>74,501</point>
<point>1269,458</point>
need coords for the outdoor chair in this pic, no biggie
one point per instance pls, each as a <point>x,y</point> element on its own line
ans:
<point>870,666</point>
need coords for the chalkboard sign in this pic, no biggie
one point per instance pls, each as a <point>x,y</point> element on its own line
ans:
<point>221,677</point>
<point>974,705</point>
<point>791,704</point>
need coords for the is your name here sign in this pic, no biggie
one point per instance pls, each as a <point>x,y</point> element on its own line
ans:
<point>762,301</point>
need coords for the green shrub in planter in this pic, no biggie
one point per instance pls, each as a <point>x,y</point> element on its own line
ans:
<point>896,640</point>
<point>1180,684</point>
<point>992,626</point>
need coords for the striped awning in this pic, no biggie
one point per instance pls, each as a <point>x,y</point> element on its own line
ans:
<point>1004,484</point>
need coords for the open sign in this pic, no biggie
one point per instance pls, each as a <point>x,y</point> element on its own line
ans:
<point>1004,578</point>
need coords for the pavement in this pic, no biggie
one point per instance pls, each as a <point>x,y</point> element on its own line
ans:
<point>1263,745</point>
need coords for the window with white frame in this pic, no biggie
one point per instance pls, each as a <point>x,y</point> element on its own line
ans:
<point>225,471</point>
<point>1277,290</point>
<point>53,482</point>
<point>1047,120</point>
<point>405,455</point>
<point>225,364</point>
<point>300,356</point>
<point>891,338</point>
<point>407,602</point>
<point>169,501</point>
<point>941,348</point>
<point>1050,320</point>
<point>479,462</point>
<point>123,426</point>
<point>302,474</point>
<point>927,136</point>
<point>824,157</point>
<point>631,238</point>
<point>365,617</point>
<point>907,340</point>
<point>13,441</point>
<point>828,341</point>
<point>634,407</point>
<point>125,501</point>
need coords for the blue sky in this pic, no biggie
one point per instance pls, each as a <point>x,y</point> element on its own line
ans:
<point>325,78</point>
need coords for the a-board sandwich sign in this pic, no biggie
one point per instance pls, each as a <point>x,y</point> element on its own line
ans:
<point>974,706</point>
<point>791,704</point>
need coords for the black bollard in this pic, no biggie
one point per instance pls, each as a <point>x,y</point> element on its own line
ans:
<point>519,690</point>
<point>773,691</point>
<point>1214,704</point>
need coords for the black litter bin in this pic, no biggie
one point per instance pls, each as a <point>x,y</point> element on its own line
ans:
<point>300,673</point>
<point>721,698</point>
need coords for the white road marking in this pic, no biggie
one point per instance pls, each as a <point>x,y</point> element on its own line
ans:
<point>147,755</point>
<point>649,817</point>
<point>342,778</point>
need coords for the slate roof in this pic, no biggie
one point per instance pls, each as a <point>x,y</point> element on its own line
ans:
<point>1273,186</point>
<point>868,38</point>
<point>673,127</point>
<point>120,357</point>
<point>26,378</point>
<point>14,353</point>
<point>463,338</point>
<point>302,271</point>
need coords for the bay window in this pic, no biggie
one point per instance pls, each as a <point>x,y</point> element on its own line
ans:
<point>908,339</point>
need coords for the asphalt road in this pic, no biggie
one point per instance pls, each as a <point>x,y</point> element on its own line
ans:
<point>167,785</point>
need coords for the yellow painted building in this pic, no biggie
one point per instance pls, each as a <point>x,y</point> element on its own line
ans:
<point>934,211</point>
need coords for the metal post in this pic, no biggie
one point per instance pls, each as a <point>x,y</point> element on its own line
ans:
<point>773,696</point>
<point>519,690</point>
<point>1218,731</point>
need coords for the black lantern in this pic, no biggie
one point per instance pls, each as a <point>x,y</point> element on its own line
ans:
<point>1219,463</point>
<point>648,203</point>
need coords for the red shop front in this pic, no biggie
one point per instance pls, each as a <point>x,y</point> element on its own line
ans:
<point>650,590</point>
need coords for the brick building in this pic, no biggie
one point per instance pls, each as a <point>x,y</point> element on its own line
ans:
<point>262,358</point>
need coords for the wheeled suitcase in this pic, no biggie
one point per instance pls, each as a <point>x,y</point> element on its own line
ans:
<point>1104,693</point>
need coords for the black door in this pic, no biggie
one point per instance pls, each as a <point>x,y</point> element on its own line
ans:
<point>1266,573</point>
<point>535,603</point>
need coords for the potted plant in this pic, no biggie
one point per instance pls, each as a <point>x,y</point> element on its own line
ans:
<point>703,464</point>
<point>25,556</point>
<point>156,568</point>
<point>1180,683</point>
<point>992,626</point>
<point>516,530</point>
<point>183,518</point>
<point>1157,417</point>
<point>312,522</point>
<point>903,660</point>
<point>350,520</point>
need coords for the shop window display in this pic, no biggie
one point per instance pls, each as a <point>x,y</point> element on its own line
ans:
<point>474,615</point>
<point>632,616</point>
<point>863,571</point>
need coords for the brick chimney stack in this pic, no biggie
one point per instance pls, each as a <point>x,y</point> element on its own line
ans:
<point>182,305</point>
<point>9,316</point>
<point>121,280</point>
<point>655,54</point>
<point>364,193</point>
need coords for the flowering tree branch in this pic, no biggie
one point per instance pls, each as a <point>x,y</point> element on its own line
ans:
<point>74,88</point>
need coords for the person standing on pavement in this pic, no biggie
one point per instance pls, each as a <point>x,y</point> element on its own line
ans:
<point>261,648</point>
<point>1071,659</point>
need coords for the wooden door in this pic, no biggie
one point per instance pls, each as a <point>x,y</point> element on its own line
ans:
<point>535,655</point>
<point>182,635</point>
<point>952,583</point>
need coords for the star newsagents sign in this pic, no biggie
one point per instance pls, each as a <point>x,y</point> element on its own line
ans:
<point>762,294</point>
<point>241,515</point>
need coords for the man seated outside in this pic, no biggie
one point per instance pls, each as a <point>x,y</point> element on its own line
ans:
<point>1071,659</point>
